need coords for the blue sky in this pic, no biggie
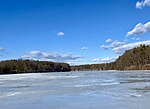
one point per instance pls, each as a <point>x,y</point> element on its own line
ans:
<point>73,31</point>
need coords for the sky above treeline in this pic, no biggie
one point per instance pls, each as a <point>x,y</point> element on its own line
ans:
<point>72,31</point>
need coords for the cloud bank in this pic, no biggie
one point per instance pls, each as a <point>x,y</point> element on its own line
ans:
<point>52,56</point>
<point>129,46</point>
<point>104,60</point>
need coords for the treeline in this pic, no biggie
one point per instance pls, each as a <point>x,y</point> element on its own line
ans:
<point>31,66</point>
<point>135,59</point>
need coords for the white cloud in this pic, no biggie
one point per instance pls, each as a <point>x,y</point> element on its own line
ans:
<point>2,49</point>
<point>130,46</point>
<point>60,34</point>
<point>141,4</point>
<point>75,62</point>
<point>109,40</point>
<point>107,59</point>
<point>134,38</point>
<point>105,46</point>
<point>113,44</point>
<point>84,48</point>
<point>33,54</point>
<point>52,56</point>
<point>139,29</point>
<point>117,43</point>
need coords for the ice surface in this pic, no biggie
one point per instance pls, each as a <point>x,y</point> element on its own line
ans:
<point>76,90</point>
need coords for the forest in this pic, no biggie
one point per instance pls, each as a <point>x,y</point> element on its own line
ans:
<point>137,58</point>
<point>31,66</point>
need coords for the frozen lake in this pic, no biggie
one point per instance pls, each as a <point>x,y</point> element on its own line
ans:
<point>76,90</point>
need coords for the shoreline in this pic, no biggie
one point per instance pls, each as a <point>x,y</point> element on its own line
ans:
<point>121,71</point>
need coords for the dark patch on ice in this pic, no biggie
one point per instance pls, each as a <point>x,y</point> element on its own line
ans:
<point>134,81</point>
<point>147,88</point>
<point>26,86</point>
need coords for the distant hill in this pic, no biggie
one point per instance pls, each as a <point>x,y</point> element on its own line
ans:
<point>31,66</point>
<point>135,59</point>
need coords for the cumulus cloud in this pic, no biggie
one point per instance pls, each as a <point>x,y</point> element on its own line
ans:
<point>107,59</point>
<point>84,48</point>
<point>139,29</point>
<point>130,46</point>
<point>141,4</point>
<point>60,34</point>
<point>52,56</point>
<point>113,44</point>
<point>109,40</point>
